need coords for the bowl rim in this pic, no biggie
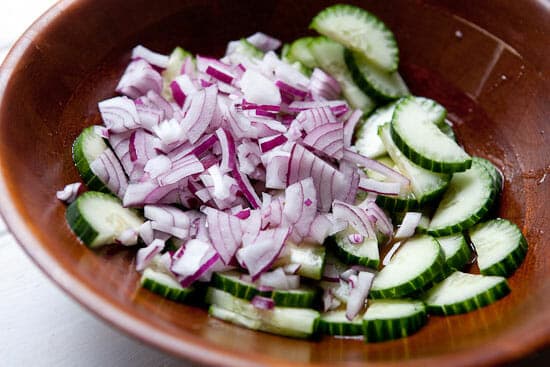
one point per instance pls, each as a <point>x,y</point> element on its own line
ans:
<point>190,347</point>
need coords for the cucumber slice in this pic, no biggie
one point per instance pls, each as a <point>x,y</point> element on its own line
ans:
<point>87,147</point>
<point>367,141</point>
<point>495,173</point>
<point>97,218</point>
<point>285,50</point>
<point>304,297</point>
<point>418,261</point>
<point>293,322</point>
<point>462,292</point>
<point>245,48</point>
<point>447,129</point>
<point>364,253</point>
<point>425,185</point>
<point>468,198</point>
<point>175,63</point>
<point>164,285</point>
<point>329,56</point>
<point>311,258</point>
<point>360,31</point>
<point>377,83</point>
<point>234,283</point>
<point>457,253</point>
<point>417,135</point>
<point>336,323</point>
<point>392,319</point>
<point>299,51</point>
<point>500,247</point>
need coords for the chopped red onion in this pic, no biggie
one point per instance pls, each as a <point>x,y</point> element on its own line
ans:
<point>358,294</point>
<point>264,42</point>
<point>355,216</point>
<point>128,237</point>
<point>371,164</point>
<point>349,126</point>
<point>379,187</point>
<point>70,192</point>
<point>193,260</point>
<point>119,114</point>
<point>391,252</point>
<point>263,303</point>
<point>108,169</point>
<point>153,58</point>
<point>356,238</point>
<point>259,255</point>
<point>146,254</point>
<point>408,226</point>
<point>298,209</point>
<point>225,233</point>
<point>278,279</point>
<point>138,78</point>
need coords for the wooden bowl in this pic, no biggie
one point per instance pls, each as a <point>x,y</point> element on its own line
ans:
<point>487,62</point>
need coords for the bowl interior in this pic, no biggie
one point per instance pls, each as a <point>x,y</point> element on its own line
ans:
<point>484,66</point>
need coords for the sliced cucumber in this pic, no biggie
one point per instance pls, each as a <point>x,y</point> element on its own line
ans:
<point>417,135</point>
<point>377,83</point>
<point>175,63</point>
<point>299,51</point>
<point>367,141</point>
<point>360,31</point>
<point>462,292</point>
<point>495,173</point>
<point>457,253</point>
<point>468,198</point>
<point>500,247</point>
<point>392,319</point>
<point>329,56</point>
<point>87,147</point>
<point>164,285</point>
<point>418,261</point>
<point>425,185</point>
<point>97,218</point>
<point>287,321</point>
<point>336,323</point>
<point>304,297</point>
<point>234,283</point>
<point>311,258</point>
<point>364,253</point>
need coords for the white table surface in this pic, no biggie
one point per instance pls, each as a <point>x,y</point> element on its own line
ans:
<point>39,324</point>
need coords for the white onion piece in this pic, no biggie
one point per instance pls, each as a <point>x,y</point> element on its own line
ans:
<point>193,260</point>
<point>146,232</point>
<point>259,89</point>
<point>70,192</point>
<point>258,254</point>
<point>264,42</point>
<point>349,126</point>
<point>128,237</point>
<point>300,206</point>
<point>119,114</point>
<point>153,58</point>
<point>224,231</point>
<point>157,166</point>
<point>146,254</point>
<point>408,226</point>
<point>355,216</point>
<point>138,78</point>
<point>390,253</point>
<point>379,187</point>
<point>358,294</point>
<point>263,303</point>
<point>110,172</point>
<point>169,132</point>
<point>371,164</point>
<point>278,279</point>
